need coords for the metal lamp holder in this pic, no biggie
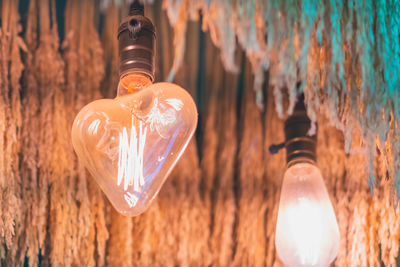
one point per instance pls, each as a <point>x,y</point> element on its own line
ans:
<point>300,146</point>
<point>136,43</point>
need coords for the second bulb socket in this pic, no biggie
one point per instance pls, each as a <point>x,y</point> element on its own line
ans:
<point>300,146</point>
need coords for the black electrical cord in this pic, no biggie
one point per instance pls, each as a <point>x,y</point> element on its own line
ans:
<point>136,8</point>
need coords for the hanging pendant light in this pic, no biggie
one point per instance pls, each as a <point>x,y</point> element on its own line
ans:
<point>307,233</point>
<point>131,143</point>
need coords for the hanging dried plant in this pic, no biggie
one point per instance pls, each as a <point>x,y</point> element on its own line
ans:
<point>11,67</point>
<point>33,237</point>
<point>291,39</point>
<point>84,73</point>
<point>219,205</point>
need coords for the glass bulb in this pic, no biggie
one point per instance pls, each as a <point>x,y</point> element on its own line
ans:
<point>131,143</point>
<point>307,232</point>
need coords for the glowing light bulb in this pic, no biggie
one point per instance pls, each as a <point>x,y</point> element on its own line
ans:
<point>131,143</point>
<point>307,232</point>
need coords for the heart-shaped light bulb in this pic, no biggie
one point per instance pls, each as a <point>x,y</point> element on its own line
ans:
<point>131,143</point>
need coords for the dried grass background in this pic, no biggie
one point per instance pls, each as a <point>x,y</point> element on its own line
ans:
<point>217,208</point>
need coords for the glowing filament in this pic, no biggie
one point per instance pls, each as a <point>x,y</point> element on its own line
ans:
<point>130,161</point>
<point>130,199</point>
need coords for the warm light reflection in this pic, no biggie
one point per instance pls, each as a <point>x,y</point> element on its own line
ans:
<point>94,126</point>
<point>131,199</point>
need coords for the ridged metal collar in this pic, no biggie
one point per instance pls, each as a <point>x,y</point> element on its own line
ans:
<point>136,43</point>
<point>300,147</point>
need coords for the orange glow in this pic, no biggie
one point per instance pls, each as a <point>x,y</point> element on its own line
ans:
<point>307,234</point>
<point>131,143</point>
<point>134,82</point>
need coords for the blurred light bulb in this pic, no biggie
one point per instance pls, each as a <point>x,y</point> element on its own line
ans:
<point>307,232</point>
<point>131,143</point>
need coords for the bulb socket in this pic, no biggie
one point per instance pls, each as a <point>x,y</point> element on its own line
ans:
<point>300,147</point>
<point>136,43</point>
